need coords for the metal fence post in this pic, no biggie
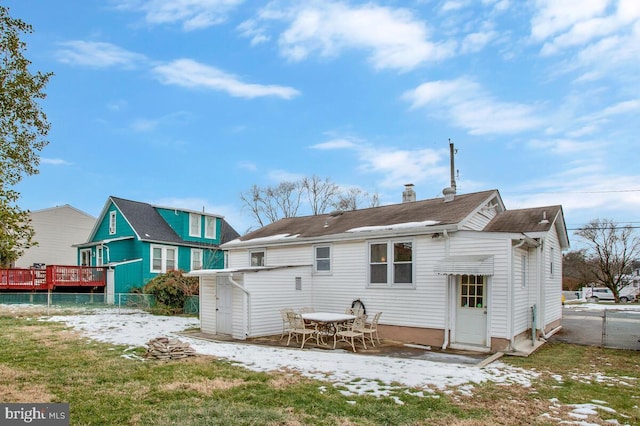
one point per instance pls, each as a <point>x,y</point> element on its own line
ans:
<point>604,328</point>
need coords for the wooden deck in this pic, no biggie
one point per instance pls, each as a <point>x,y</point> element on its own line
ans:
<point>51,277</point>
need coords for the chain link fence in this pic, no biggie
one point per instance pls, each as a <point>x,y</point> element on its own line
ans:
<point>621,329</point>
<point>120,301</point>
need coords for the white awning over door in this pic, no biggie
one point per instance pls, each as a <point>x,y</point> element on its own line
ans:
<point>465,265</point>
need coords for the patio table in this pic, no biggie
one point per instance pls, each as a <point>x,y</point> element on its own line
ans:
<point>327,322</point>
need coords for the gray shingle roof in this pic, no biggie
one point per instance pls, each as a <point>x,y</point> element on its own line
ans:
<point>524,220</point>
<point>445,213</point>
<point>149,225</point>
<point>146,221</point>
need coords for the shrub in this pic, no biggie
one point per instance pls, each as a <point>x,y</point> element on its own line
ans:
<point>170,291</point>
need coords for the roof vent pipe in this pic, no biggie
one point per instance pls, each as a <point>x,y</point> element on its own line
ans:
<point>408,194</point>
<point>544,218</point>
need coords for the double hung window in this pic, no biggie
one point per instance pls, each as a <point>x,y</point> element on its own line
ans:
<point>322,259</point>
<point>209,227</point>
<point>194,225</point>
<point>391,263</point>
<point>163,258</point>
<point>196,259</point>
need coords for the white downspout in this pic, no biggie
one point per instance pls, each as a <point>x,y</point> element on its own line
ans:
<point>512,296</point>
<point>541,284</point>
<point>245,291</point>
<point>449,298</point>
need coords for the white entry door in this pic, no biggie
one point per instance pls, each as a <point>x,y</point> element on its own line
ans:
<point>224,303</point>
<point>471,311</point>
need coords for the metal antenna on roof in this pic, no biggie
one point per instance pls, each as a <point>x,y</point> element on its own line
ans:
<point>449,193</point>
<point>452,153</point>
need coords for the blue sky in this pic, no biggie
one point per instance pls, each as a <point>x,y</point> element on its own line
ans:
<point>188,103</point>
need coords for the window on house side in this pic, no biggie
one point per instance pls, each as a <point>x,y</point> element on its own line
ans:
<point>163,258</point>
<point>378,263</point>
<point>99,256</point>
<point>322,259</point>
<point>196,259</point>
<point>398,270</point>
<point>171,259</point>
<point>551,254</point>
<point>112,223</point>
<point>209,227</point>
<point>403,263</point>
<point>194,225</point>
<point>257,258</point>
<point>156,259</point>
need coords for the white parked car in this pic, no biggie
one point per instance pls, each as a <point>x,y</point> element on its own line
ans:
<point>596,294</point>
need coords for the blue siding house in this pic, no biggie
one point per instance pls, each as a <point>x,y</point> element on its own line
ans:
<point>138,241</point>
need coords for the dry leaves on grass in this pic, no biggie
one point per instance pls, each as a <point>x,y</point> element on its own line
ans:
<point>19,389</point>
<point>204,386</point>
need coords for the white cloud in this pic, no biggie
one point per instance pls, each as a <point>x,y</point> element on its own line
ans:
<point>192,14</point>
<point>555,16</point>
<point>145,125</point>
<point>335,144</point>
<point>602,35</point>
<point>284,176</point>
<point>466,104</point>
<point>396,166</point>
<point>568,146</point>
<point>475,42</point>
<point>54,161</point>
<point>393,38</point>
<point>191,74</point>
<point>97,55</point>
<point>248,165</point>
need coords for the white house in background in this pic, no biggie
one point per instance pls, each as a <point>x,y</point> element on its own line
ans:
<point>56,230</point>
<point>457,272</point>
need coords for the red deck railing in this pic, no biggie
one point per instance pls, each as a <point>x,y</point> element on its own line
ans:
<point>53,276</point>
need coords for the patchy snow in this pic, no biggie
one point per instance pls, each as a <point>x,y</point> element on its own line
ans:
<point>358,374</point>
<point>391,227</point>
<point>353,374</point>
<point>277,237</point>
<point>577,306</point>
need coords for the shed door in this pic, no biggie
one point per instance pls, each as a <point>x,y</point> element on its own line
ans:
<point>224,303</point>
<point>471,312</point>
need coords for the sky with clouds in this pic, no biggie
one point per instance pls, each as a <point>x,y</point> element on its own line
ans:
<point>189,103</point>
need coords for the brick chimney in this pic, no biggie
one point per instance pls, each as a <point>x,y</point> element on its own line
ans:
<point>408,194</point>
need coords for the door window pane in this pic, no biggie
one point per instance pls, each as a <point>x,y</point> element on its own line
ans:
<point>472,291</point>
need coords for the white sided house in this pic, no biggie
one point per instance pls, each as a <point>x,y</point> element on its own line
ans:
<point>57,229</point>
<point>458,272</point>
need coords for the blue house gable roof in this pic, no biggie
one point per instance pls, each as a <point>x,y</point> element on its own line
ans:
<point>148,224</point>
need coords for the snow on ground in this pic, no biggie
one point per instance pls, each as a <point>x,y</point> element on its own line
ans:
<point>577,305</point>
<point>357,374</point>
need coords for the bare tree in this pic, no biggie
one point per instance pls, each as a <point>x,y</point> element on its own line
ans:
<point>613,248</point>
<point>320,193</point>
<point>286,197</point>
<point>270,204</point>
<point>353,198</point>
<point>253,200</point>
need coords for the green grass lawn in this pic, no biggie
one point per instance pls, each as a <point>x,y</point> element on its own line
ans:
<point>46,362</point>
